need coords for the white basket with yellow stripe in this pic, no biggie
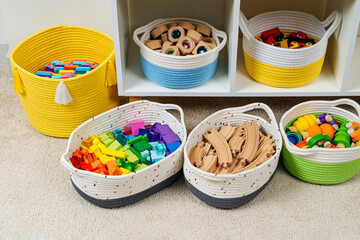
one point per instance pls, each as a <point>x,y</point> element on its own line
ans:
<point>283,67</point>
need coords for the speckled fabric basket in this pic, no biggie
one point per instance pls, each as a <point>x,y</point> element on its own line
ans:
<point>231,190</point>
<point>118,191</point>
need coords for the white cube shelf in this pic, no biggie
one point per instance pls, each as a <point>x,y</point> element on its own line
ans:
<point>339,76</point>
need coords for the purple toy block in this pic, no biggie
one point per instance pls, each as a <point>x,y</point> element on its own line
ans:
<point>154,127</point>
<point>163,129</point>
<point>49,68</point>
<point>170,138</point>
<point>167,153</point>
<point>136,125</point>
<point>61,64</point>
<point>86,65</point>
<point>153,136</point>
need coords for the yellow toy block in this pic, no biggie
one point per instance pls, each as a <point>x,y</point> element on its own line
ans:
<point>66,71</point>
<point>125,171</point>
<point>83,147</point>
<point>104,159</point>
<point>111,152</point>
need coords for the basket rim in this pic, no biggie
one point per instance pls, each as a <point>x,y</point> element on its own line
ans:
<point>217,176</point>
<point>64,156</point>
<point>65,80</point>
<point>215,50</point>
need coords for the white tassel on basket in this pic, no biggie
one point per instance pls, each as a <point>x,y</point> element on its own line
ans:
<point>62,95</point>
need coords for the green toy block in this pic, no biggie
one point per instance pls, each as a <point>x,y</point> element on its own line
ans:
<point>141,159</point>
<point>103,136</point>
<point>128,166</point>
<point>111,135</point>
<point>135,140</point>
<point>142,146</point>
<point>153,144</point>
<point>107,142</point>
<point>125,148</point>
<point>115,145</point>
<point>140,166</point>
<point>131,157</point>
<point>145,138</point>
<point>120,162</point>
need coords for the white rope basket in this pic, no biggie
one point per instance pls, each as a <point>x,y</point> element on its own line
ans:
<point>232,186</point>
<point>287,20</point>
<point>324,155</point>
<point>178,62</point>
<point>102,187</point>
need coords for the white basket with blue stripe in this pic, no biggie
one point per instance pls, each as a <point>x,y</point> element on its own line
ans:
<point>178,72</point>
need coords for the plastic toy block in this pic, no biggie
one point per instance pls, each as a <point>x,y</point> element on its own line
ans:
<point>120,137</point>
<point>136,125</point>
<point>129,137</point>
<point>153,144</point>
<point>83,147</point>
<point>145,137</point>
<point>103,136</point>
<point>271,33</point>
<point>87,142</point>
<point>95,164</point>
<point>124,171</point>
<point>115,145</point>
<point>113,168</point>
<point>155,126</point>
<point>111,135</point>
<point>162,129</point>
<point>142,131</point>
<point>131,157</point>
<point>104,159</point>
<point>54,62</point>
<point>44,74</point>
<point>95,149</point>
<point>155,157</point>
<point>112,152</point>
<point>120,162</point>
<point>142,146</point>
<point>173,146</point>
<point>130,166</point>
<point>167,153</point>
<point>49,68</point>
<point>140,166</point>
<point>170,138</point>
<point>160,149</point>
<point>135,140</point>
<point>153,136</point>
<point>145,154</point>
<point>141,159</point>
<point>125,148</point>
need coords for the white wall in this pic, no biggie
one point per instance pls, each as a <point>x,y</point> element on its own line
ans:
<point>21,18</point>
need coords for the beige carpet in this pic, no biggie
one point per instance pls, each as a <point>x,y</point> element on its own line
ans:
<point>37,200</point>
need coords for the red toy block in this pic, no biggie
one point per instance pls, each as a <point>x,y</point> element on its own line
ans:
<point>271,41</point>
<point>271,33</point>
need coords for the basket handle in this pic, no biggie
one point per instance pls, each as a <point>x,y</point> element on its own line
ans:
<point>178,108</point>
<point>18,83</point>
<point>335,103</point>
<point>155,23</point>
<point>243,23</point>
<point>335,19</point>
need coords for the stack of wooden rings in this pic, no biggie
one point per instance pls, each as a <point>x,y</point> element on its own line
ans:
<point>181,39</point>
<point>232,149</point>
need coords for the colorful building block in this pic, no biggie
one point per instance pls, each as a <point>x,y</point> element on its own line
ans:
<point>142,146</point>
<point>113,168</point>
<point>170,138</point>
<point>173,146</point>
<point>155,157</point>
<point>145,154</point>
<point>160,149</point>
<point>115,145</point>
<point>153,144</point>
<point>119,136</point>
<point>153,136</point>
<point>135,140</point>
<point>136,125</point>
<point>142,131</point>
<point>140,166</point>
<point>141,159</point>
<point>131,157</point>
<point>124,171</point>
<point>88,142</point>
<point>111,152</point>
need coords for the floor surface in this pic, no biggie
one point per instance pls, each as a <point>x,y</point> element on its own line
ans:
<point>37,200</point>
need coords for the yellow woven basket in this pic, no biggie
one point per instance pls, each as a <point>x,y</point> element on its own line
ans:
<point>280,67</point>
<point>92,93</point>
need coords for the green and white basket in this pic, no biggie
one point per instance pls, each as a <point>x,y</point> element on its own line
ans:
<point>321,165</point>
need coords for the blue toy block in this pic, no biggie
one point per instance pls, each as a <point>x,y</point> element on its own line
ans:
<point>153,136</point>
<point>170,138</point>
<point>153,144</point>
<point>155,157</point>
<point>57,69</point>
<point>142,131</point>
<point>173,146</point>
<point>160,149</point>
<point>145,154</point>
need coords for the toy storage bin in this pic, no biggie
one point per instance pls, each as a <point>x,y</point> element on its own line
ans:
<point>281,67</point>
<point>92,93</point>
<point>118,191</point>
<point>321,165</point>
<point>178,72</point>
<point>231,190</point>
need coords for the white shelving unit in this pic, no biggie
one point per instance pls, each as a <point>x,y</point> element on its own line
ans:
<point>339,76</point>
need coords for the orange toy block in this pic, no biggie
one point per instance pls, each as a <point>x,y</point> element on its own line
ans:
<point>314,130</point>
<point>113,168</point>
<point>95,164</point>
<point>327,129</point>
